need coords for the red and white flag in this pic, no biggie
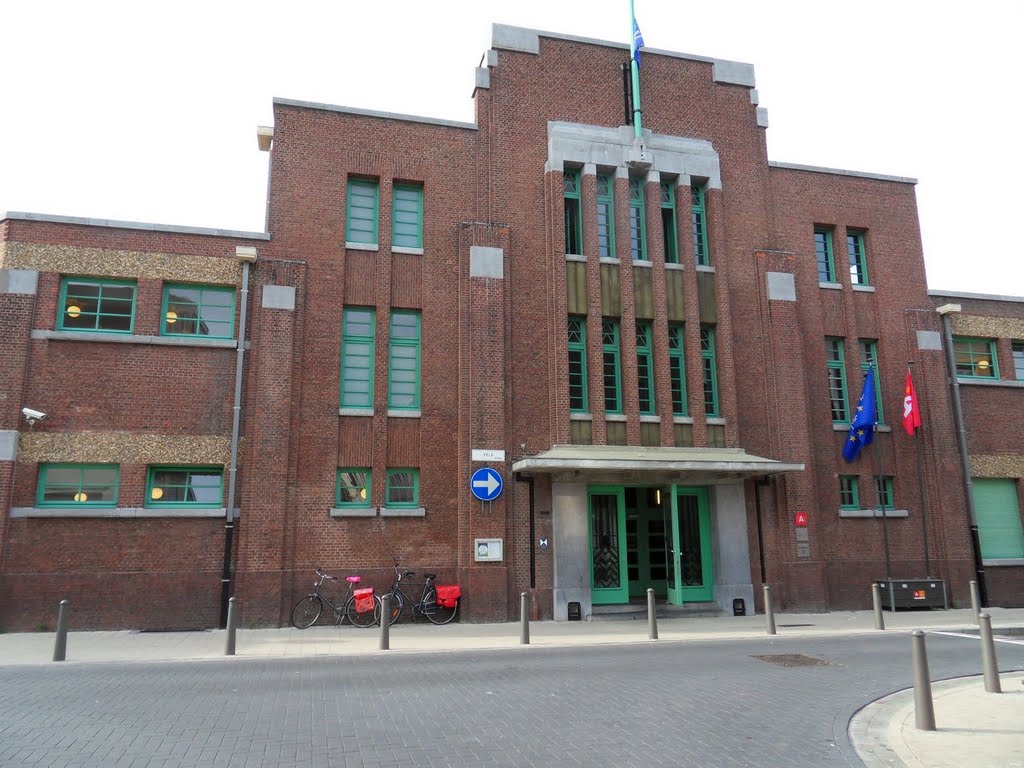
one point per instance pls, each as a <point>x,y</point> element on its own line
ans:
<point>911,410</point>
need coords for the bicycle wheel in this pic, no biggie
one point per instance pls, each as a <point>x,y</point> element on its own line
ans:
<point>306,612</point>
<point>396,605</point>
<point>367,619</point>
<point>433,610</point>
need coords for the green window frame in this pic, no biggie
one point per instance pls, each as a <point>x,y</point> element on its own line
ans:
<point>848,496</point>
<point>403,488</point>
<point>677,369</point>
<point>353,487</point>
<point>1000,529</point>
<point>407,216</point>
<point>358,345</point>
<point>362,211</point>
<point>404,361</point>
<point>578,365</point>
<point>709,365</point>
<point>975,358</point>
<point>612,366</point>
<point>823,254</point>
<point>637,220</point>
<point>857,249</point>
<point>179,487</point>
<point>699,220</point>
<point>669,228</point>
<point>92,486</point>
<point>836,371</point>
<point>573,211</point>
<point>884,497</point>
<point>645,368</point>
<point>198,310</point>
<point>96,305</point>
<point>1018,360</point>
<point>605,215</point>
<point>869,358</point>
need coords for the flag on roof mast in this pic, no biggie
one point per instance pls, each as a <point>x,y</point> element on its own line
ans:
<point>911,410</point>
<point>637,43</point>
<point>862,428</point>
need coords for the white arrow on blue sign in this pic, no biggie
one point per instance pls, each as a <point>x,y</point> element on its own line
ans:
<point>486,484</point>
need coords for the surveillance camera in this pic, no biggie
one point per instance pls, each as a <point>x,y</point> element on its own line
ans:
<point>33,415</point>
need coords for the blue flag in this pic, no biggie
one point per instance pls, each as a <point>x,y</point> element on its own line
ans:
<point>638,42</point>
<point>862,428</point>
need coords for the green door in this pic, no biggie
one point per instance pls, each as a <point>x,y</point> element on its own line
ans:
<point>608,574</point>
<point>690,579</point>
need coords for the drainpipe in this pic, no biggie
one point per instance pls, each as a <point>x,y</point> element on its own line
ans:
<point>965,458</point>
<point>247,255</point>
<point>764,480</point>
<point>533,530</point>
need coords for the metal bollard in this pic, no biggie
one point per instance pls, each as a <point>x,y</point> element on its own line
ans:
<point>924,707</point>
<point>385,622</point>
<point>988,655</point>
<point>975,601</point>
<point>524,619</point>
<point>769,614</point>
<point>876,602</point>
<point>232,625</point>
<point>60,644</point>
<point>652,617</point>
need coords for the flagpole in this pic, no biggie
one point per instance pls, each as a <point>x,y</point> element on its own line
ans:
<point>880,489</point>
<point>635,74</point>
<point>920,486</point>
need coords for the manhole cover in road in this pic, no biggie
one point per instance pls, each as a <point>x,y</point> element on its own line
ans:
<point>793,660</point>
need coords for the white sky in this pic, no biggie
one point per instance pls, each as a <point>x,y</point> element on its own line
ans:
<point>133,112</point>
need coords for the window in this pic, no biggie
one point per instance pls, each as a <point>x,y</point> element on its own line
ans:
<point>403,488</point>
<point>869,358</point>
<point>848,492</point>
<point>573,212</point>
<point>975,358</point>
<point>700,236</point>
<point>883,492</point>
<point>677,370</point>
<point>836,379</point>
<point>407,217</point>
<point>1018,360</point>
<point>184,487</point>
<point>645,368</point>
<point>605,216</point>
<point>669,231</point>
<point>361,212</point>
<point>707,355</point>
<point>193,310</point>
<point>858,257</point>
<point>578,365</point>
<point>612,369</point>
<point>404,361</point>
<point>77,485</point>
<point>357,356</point>
<point>999,522</point>
<point>353,487</point>
<point>637,221</point>
<point>823,253</point>
<point>96,305</point>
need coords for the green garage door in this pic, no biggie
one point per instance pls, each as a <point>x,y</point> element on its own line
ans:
<point>999,526</point>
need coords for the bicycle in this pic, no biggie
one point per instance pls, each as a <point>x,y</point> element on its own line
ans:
<point>308,609</point>
<point>437,611</point>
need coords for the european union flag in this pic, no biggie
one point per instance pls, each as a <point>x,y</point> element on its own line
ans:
<point>638,42</point>
<point>862,428</point>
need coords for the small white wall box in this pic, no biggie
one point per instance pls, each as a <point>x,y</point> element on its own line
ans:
<point>487,549</point>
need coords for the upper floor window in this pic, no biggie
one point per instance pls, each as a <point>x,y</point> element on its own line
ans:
<point>836,379</point>
<point>403,488</point>
<point>699,217</point>
<point>645,368</point>
<point>975,358</point>
<point>573,211</point>
<point>404,361</point>
<point>361,212</point>
<point>77,485</point>
<point>407,217</point>
<point>710,366</point>
<point>184,487</point>
<point>578,365</point>
<point>869,359</point>
<point>823,253</point>
<point>848,492</point>
<point>677,370</point>
<point>88,304</point>
<point>858,257</point>
<point>883,492</point>
<point>605,215</point>
<point>353,487</point>
<point>669,231</point>
<point>1018,360</point>
<point>357,357</point>
<point>195,310</point>
<point>637,221</point>
<point>612,367</point>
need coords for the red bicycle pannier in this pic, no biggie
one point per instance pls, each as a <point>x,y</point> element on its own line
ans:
<point>448,596</point>
<point>364,599</point>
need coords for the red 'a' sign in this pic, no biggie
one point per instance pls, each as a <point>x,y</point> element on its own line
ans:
<point>800,519</point>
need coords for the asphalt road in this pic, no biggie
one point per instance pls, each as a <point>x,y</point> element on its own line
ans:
<point>663,704</point>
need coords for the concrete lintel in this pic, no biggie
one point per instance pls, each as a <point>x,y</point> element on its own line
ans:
<point>279,297</point>
<point>873,513</point>
<point>21,281</point>
<point>354,512</point>
<point>403,512</point>
<point>120,512</point>
<point>131,338</point>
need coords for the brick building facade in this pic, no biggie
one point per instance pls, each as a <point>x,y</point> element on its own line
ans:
<point>659,346</point>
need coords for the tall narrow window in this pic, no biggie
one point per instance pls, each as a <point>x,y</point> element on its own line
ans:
<point>858,257</point>
<point>669,231</point>
<point>836,379</point>
<point>87,304</point>
<point>578,365</point>
<point>848,492</point>
<point>573,215</point>
<point>823,252</point>
<point>645,368</point>
<point>637,221</point>
<point>357,347</point>
<point>361,212</point>
<point>677,370</point>
<point>403,488</point>
<point>1018,360</point>
<point>197,310</point>
<point>605,215</point>
<point>699,218</point>
<point>869,358</point>
<point>407,217</point>
<point>77,485</point>
<point>612,369</point>
<point>975,358</point>
<point>883,492</point>
<point>709,364</point>
<point>404,361</point>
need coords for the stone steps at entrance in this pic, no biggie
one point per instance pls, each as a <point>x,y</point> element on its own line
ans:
<point>637,611</point>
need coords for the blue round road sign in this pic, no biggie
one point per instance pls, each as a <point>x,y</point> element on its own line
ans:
<point>486,484</point>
